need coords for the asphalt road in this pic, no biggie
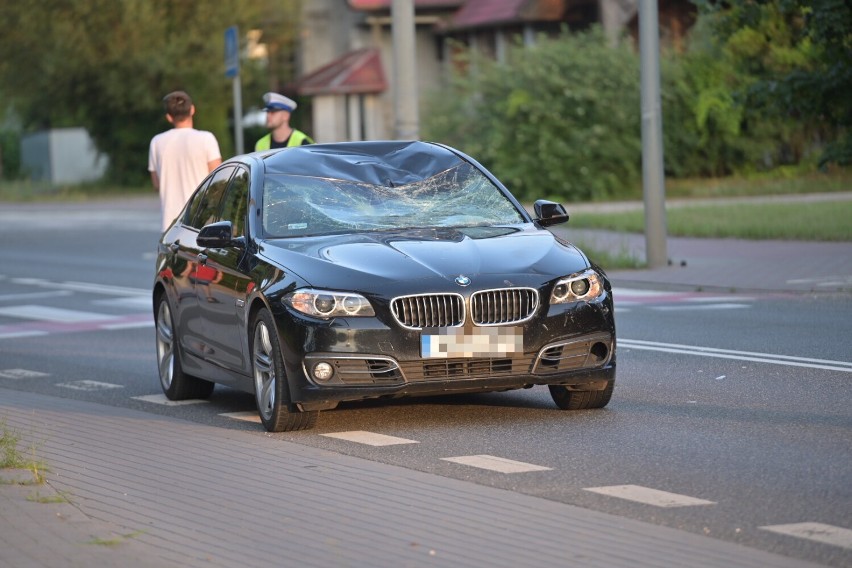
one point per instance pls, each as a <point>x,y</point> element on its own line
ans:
<point>736,407</point>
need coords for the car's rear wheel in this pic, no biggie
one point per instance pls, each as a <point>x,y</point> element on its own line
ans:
<point>176,384</point>
<point>270,382</point>
<point>567,399</point>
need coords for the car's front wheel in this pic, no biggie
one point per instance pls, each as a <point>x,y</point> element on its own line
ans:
<point>568,399</point>
<point>176,384</point>
<point>270,381</point>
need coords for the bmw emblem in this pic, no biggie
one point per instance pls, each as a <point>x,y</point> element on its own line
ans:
<point>462,280</point>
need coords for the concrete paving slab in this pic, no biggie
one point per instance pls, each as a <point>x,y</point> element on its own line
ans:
<point>197,495</point>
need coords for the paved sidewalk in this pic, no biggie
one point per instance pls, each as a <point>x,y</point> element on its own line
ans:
<point>167,492</point>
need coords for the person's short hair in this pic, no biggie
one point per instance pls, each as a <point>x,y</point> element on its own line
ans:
<point>178,105</point>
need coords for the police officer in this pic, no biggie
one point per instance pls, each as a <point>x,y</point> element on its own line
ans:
<point>281,135</point>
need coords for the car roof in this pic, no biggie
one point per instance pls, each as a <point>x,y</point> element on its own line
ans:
<point>388,163</point>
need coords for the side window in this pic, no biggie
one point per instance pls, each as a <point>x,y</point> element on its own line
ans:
<point>206,211</point>
<point>195,202</point>
<point>236,201</point>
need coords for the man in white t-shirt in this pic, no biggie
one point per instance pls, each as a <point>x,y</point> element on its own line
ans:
<point>180,158</point>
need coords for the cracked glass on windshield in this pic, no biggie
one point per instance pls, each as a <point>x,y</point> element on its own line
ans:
<point>458,197</point>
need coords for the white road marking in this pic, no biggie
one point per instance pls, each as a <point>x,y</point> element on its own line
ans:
<point>83,287</point>
<point>819,532</point>
<point>639,295</point>
<point>129,325</point>
<point>369,438</point>
<point>648,496</point>
<point>22,374</point>
<point>89,385</point>
<point>495,463</point>
<point>247,416</point>
<point>45,313</point>
<point>702,307</point>
<point>21,333</point>
<point>33,295</point>
<point>788,360</point>
<point>161,399</point>
<point>134,302</point>
<point>104,322</point>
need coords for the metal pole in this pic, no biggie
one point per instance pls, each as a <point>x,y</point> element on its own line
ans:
<point>653,176</point>
<point>406,125</point>
<point>238,115</point>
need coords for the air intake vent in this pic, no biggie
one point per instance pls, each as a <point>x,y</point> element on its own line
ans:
<point>499,307</point>
<point>429,310</point>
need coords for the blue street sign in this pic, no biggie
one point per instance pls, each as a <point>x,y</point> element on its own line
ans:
<point>232,52</point>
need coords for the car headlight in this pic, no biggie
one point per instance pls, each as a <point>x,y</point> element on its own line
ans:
<point>326,304</point>
<point>583,286</point>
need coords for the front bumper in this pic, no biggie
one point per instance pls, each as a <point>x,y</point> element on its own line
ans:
<point>570,345</point>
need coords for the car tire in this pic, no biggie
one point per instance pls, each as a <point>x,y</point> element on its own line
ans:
<point>567,399</point>
<point>272,394</point>
<point>176,384</point>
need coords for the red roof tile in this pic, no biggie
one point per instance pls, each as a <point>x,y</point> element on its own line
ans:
<point>477,13</point>
<point>355,72</point>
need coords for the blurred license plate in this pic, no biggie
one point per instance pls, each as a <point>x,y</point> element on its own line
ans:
<point>483,342</point>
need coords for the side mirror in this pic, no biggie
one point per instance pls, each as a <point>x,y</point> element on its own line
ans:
<point>549,213</point>
<point>218,235</point>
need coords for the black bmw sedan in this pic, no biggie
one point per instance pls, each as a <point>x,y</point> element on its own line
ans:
<point>342,272</point>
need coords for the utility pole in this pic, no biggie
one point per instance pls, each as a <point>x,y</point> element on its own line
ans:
<point>406,119</point>
<point>653,175</point>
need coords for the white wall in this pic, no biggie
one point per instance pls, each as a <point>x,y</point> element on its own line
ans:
<point>62,156</point>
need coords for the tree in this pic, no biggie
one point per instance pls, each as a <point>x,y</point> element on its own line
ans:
<point>106,64</point>
<point>798,54</point>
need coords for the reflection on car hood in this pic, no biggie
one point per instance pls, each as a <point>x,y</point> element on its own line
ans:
<point>434,257</point>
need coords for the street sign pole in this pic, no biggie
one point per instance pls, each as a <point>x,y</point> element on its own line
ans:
<point>232,70</point>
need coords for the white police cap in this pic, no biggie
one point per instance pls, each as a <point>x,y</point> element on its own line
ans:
<point>274,101</point>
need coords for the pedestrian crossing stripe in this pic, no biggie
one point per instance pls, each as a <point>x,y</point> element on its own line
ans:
<point>819,532</point>
<point>87,385</point>
<point>162,399</point>
<point>494,463</point>
<point>369,438</point>
<point>648,496</point>
<point>246,415</point>
<point>102,323</point>
<point>21,374</point>
<point>45,313</point>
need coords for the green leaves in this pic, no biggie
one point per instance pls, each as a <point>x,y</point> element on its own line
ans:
<point>559,120</point>
<point>106,64</point>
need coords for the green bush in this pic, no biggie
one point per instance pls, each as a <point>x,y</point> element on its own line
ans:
<point>559,120</point>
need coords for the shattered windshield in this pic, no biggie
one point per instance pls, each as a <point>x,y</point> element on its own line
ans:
<point>458,197</point>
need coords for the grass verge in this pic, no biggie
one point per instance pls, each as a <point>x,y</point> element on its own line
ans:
<point>781,181</point>
<point>804,221</point>
<point>608,259</point>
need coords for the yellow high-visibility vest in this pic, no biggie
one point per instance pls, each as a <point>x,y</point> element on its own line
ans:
<point>297,138</point>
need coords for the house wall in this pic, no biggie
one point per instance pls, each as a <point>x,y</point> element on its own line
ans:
<point>329,119</point>
<point>332,29</point>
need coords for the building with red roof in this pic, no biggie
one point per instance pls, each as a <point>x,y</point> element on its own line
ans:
<point>347,48</point>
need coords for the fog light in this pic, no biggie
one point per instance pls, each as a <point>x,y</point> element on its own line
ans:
<point>323,371</point>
